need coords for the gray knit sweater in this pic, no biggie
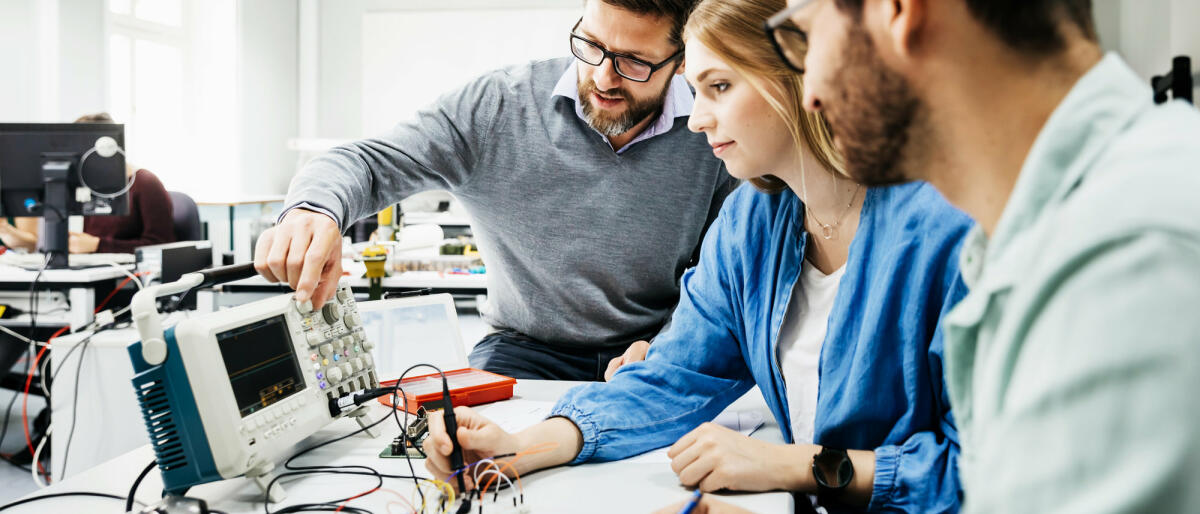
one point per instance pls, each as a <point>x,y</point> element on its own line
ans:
<point>583,247</point>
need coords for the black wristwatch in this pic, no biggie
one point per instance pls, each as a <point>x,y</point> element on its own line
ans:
<point>838,463</point>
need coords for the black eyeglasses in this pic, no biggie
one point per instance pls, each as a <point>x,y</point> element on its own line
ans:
<point>790,42</point>
<point>627,66</point>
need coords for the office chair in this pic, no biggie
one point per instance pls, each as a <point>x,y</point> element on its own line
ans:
<point>186,216</point>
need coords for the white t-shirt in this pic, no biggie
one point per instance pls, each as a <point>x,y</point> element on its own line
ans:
<point>800,339</point>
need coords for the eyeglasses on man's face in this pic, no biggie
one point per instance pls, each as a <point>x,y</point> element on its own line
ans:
<point>627,66</point>
<point>790,42</point>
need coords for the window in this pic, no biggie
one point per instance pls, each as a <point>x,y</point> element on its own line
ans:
<point>162,86</point>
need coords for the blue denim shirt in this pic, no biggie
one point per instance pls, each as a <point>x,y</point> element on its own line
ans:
<point>881,384</point>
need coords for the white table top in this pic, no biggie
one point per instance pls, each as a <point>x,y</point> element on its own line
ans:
<point>621,486</point>
<point>15,275</point>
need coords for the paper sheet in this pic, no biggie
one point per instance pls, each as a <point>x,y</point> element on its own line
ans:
<point>516,415</point>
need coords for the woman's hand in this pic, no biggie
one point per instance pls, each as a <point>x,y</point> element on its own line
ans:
<point>552,442</point>
<point>713,457</point>
<point>480,439</point>
<point>636,352</point>
<point>80,242</point>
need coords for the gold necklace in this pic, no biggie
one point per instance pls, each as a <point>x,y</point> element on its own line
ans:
<point>828,231</point>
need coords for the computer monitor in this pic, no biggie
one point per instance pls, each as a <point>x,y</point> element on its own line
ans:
<point>48,170</point>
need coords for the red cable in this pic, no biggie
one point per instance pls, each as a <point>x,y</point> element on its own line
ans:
<point>118,288</point>
<point>25,401</point>
<point>29,377</point>
<point>348,500</point>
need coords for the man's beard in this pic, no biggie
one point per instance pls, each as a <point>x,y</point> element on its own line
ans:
<point>873,116</point>
<point>635,111</point>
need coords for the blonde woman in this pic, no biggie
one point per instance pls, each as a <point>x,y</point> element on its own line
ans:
<point>825,294</point>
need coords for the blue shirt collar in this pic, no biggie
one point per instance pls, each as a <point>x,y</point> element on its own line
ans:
<point>678,103</point>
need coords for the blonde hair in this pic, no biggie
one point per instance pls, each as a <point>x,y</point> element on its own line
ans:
<point>732,29</point>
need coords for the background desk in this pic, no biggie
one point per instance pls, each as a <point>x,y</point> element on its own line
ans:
<point>233,223</point>
<point>80,285</point>
<point>621,486</point>
<point>257,287</point>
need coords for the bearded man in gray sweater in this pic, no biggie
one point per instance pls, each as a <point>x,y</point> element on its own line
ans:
<point>589,193</point>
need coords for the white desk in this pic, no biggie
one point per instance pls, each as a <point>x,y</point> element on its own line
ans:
<point>80,286</point>
<point>621,486</point>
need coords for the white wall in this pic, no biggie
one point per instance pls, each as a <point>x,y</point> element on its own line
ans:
<point>1149,33</point>
<point>268,114</point>
<point>398,81</point>
<point>82,88</point>
<point>340,56</point>
<point>52,54</point>
<point>20,91</point>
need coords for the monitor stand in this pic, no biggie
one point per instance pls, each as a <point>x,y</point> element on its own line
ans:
<point>56,172</point>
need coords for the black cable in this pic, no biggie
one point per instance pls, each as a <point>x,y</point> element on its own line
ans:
<point>74,399</point>
<point>330,505</point>
<point>396,391</point>
<point>297,470</point>
<point>29,358</point>
<point>60,495</point>
<point>133,488</point>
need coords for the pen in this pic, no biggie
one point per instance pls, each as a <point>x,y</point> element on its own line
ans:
<point>687,509</point>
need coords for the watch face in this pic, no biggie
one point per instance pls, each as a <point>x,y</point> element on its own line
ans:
<point>832,469</point>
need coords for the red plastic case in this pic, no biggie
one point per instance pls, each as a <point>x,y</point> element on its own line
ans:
<point>468,386</point>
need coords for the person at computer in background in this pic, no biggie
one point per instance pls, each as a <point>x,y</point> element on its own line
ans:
<point>1073,365</point>
<point>150,220</point>
<point>589,194</point>
<point>826,295</point>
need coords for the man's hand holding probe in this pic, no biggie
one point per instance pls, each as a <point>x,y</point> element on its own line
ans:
<point>304,250</point>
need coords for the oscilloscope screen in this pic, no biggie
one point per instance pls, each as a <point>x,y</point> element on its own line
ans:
<point>261,364</point>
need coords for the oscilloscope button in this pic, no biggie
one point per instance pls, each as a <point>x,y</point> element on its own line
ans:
<point>313,338</point>
<point>334,374</point>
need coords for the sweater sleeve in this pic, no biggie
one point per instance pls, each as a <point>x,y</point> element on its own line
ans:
<point>437,149</point>
<point>152,206</point>
<point>692,372</point>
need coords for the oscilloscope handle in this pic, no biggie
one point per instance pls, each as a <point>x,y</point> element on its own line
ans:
<point>223,274</point>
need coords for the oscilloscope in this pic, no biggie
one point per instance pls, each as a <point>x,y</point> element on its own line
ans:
<point>229,393</point>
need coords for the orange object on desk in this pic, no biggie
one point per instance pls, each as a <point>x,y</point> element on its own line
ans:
<point>468,386</point>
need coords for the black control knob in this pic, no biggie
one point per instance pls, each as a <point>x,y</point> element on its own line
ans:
<point>332,312</point>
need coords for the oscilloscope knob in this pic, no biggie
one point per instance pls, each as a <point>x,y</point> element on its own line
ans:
<point>331,312</point>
